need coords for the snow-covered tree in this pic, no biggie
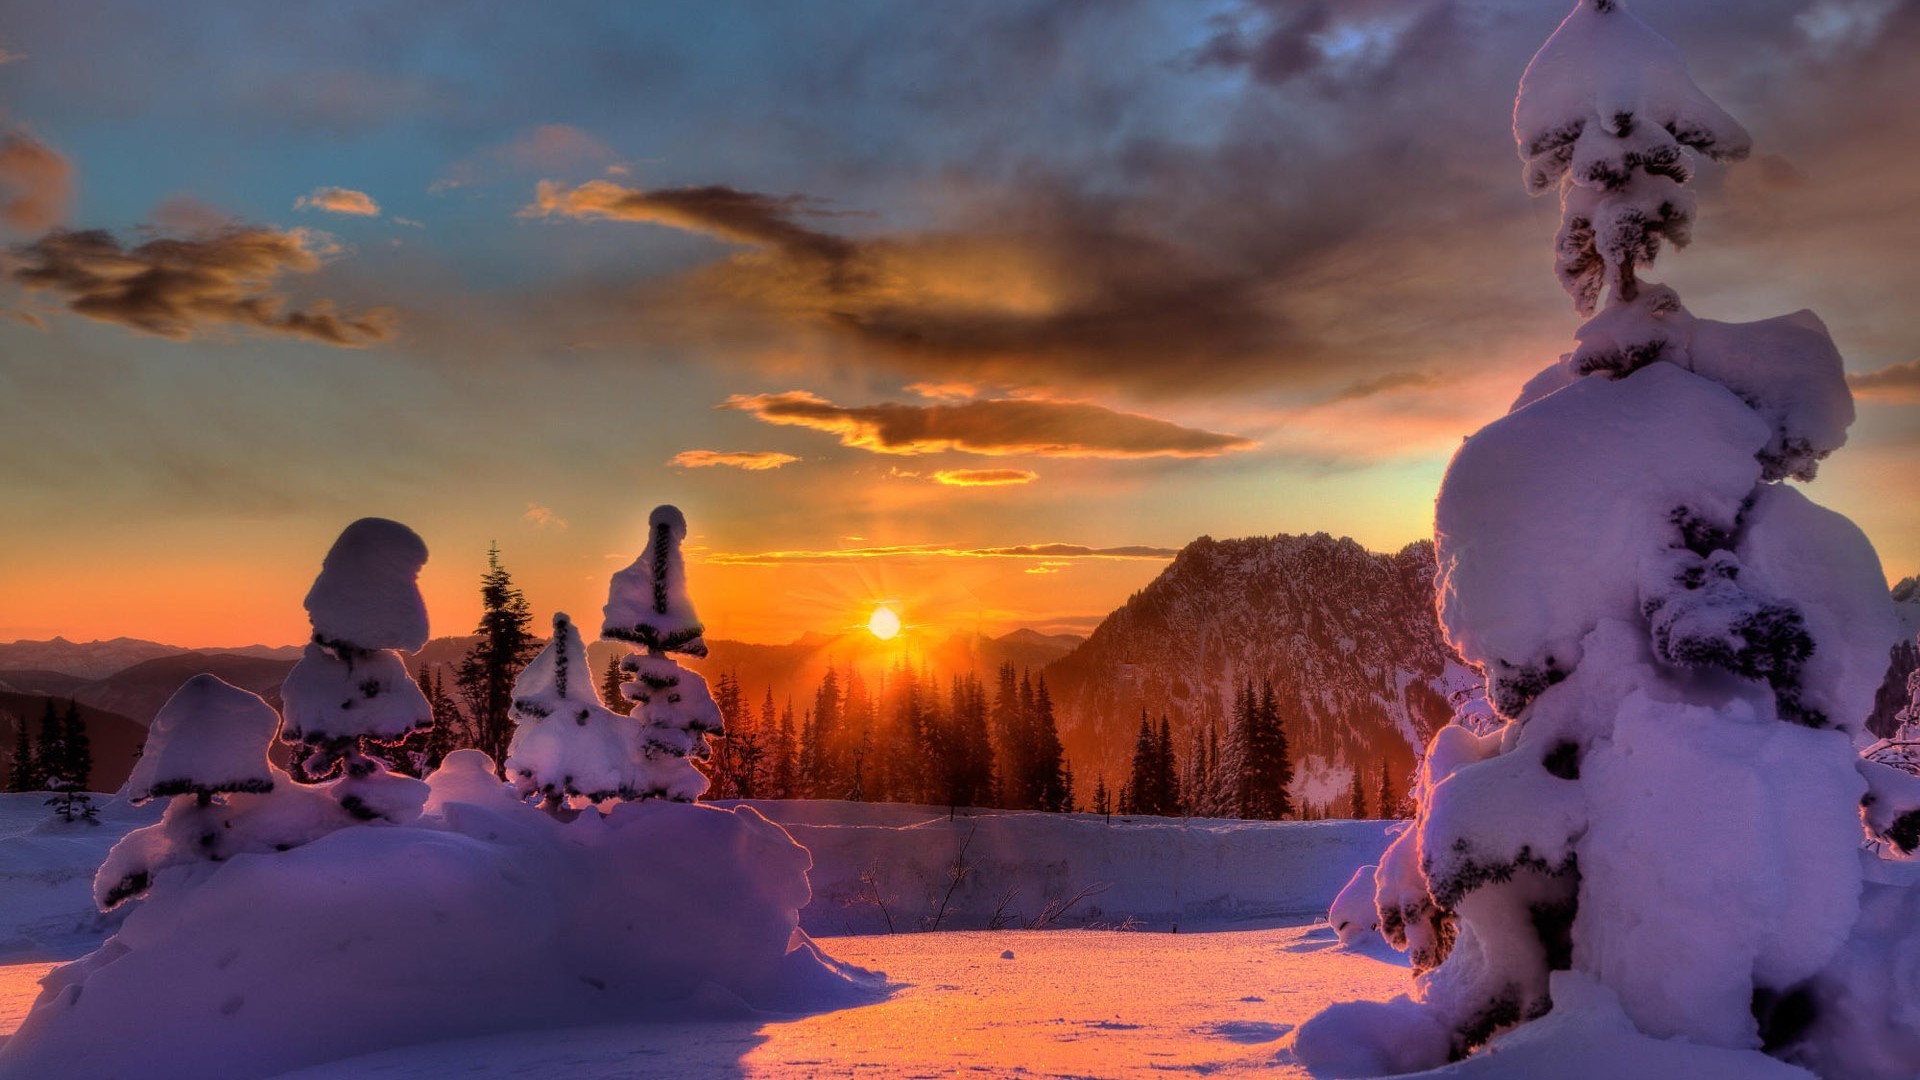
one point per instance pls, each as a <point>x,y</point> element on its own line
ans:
<point>565,743</point>
<point>206,751</point>
<point>1681,648</point>
<point>351,694</point>
<point>648,607</point>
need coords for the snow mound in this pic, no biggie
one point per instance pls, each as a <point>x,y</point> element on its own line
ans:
<point>366,594</point>
<point>484,916</point>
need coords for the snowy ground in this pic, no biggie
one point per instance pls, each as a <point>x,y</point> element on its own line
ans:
<point>1080,1003</point>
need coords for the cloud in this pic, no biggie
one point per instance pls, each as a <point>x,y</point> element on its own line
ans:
<point>36,182</point>
<point>187,287</point>
<point>543,517</point>
<point>548,148</point>
<point>7,56</point>
<point>990,426</point>
<point>339,200</point>
<point>750,460</point>
<point>971,477</point>
<point>1894,383</point>
<point>1055,555</point>
<point>729,214</point>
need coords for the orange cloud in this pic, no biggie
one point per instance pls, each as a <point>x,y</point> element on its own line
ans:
<point>36,182</point>
<point>984,477</point>
<point>181,288</point>
<point>543,517</point>
<point>750,460</point>
<point>339,200</point>
<point>1898,383</point>
<point>990,426</point>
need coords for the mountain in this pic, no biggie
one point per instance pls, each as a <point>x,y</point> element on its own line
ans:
<point>1348,637</point>
<point>99,659</point>
<point>1902,660</point>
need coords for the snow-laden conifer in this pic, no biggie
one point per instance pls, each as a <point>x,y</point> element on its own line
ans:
<point>648,607</point>
<point>565,742</point>
<point>350,693</point>
<point>1682,647</point>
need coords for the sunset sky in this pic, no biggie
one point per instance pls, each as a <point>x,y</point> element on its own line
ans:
<point>980,308</point>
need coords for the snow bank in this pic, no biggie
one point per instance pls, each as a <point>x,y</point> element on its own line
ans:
<point>46,875</point>
<point>1023,867</point>
<point>484,915</point>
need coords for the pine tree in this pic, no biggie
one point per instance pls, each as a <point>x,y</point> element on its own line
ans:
<point>610,695</point>
<point>1357,794</point>
<point>1139,796</point>
<point>52,761</point>
<point>1051,785</point>
<point>23,770</point>
<point>1005,724</point>
<point>1386,801</point>
<point>785,768</point>
<point>1102,798</point>
<point>1268,768</point>
<point>485,675</point>
<point>77,747</point>
<point>565,743</point>
<point>1166,774</point>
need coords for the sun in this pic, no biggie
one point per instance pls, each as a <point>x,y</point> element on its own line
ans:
<point>885,623</point>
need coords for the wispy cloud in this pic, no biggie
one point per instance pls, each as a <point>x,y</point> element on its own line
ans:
<point>750,460</point>
<point>339,200</point>
<point>36,182</point>
<point>187,287</point>
<point>543,517</point>
<point>990,426</point>
<point>971,477</point>
<point>1894,383</point>
<point>1039,554</point>
<point>547,148</point>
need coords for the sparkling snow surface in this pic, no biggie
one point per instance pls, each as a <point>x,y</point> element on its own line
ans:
<point>1081,1003</point>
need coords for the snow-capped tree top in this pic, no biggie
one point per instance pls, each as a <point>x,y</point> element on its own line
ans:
<point>557,676</point>
<point>1605,76</point>
<point>647,603</point>
<point>329,696</point>
<point>209,737</point>
<point>367,595</point>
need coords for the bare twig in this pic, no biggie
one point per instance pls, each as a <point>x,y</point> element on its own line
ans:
<point>870,878</point>
<point>1059,906</point>
<point>957,872</point>
<point>1002,918</point>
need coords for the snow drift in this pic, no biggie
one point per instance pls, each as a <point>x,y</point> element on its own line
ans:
<point>485,914</point>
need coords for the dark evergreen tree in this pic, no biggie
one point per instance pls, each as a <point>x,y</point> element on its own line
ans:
<point>1166,776</point>
<point>610,694</point>
<point>1386,800</point>
<point>1268,766</point>
<point>52,761</point>
<point>1102,798</point>
<point>1138,797</point>
<point>783,770</point>
<point>1005,723</point>
<point>77,747</point>
<point>486,674</point>
<point>23,769</point>
<point>1049,780</point>
<point>1357,794</point>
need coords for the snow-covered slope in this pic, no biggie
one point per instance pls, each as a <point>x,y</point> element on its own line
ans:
<point>1348,637</point>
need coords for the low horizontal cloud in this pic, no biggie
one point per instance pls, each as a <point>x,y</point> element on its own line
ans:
<point>990,426</point>
<point>1056,555</point>
<point>339,200</point>
<point>36,182</point>
<point>187,287</point>
<point>729,214</point>
<point>750,460</point>
<point>1894,383</point>
<point>984,477</point>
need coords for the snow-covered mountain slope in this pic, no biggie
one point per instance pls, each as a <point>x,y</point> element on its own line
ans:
<point>1904,659</point>
<point>1347,636</point>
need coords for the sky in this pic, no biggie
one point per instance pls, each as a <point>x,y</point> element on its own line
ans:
<point>979,309</point>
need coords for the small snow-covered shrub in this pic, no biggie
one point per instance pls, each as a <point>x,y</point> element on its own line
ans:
<point>1667,827</point>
